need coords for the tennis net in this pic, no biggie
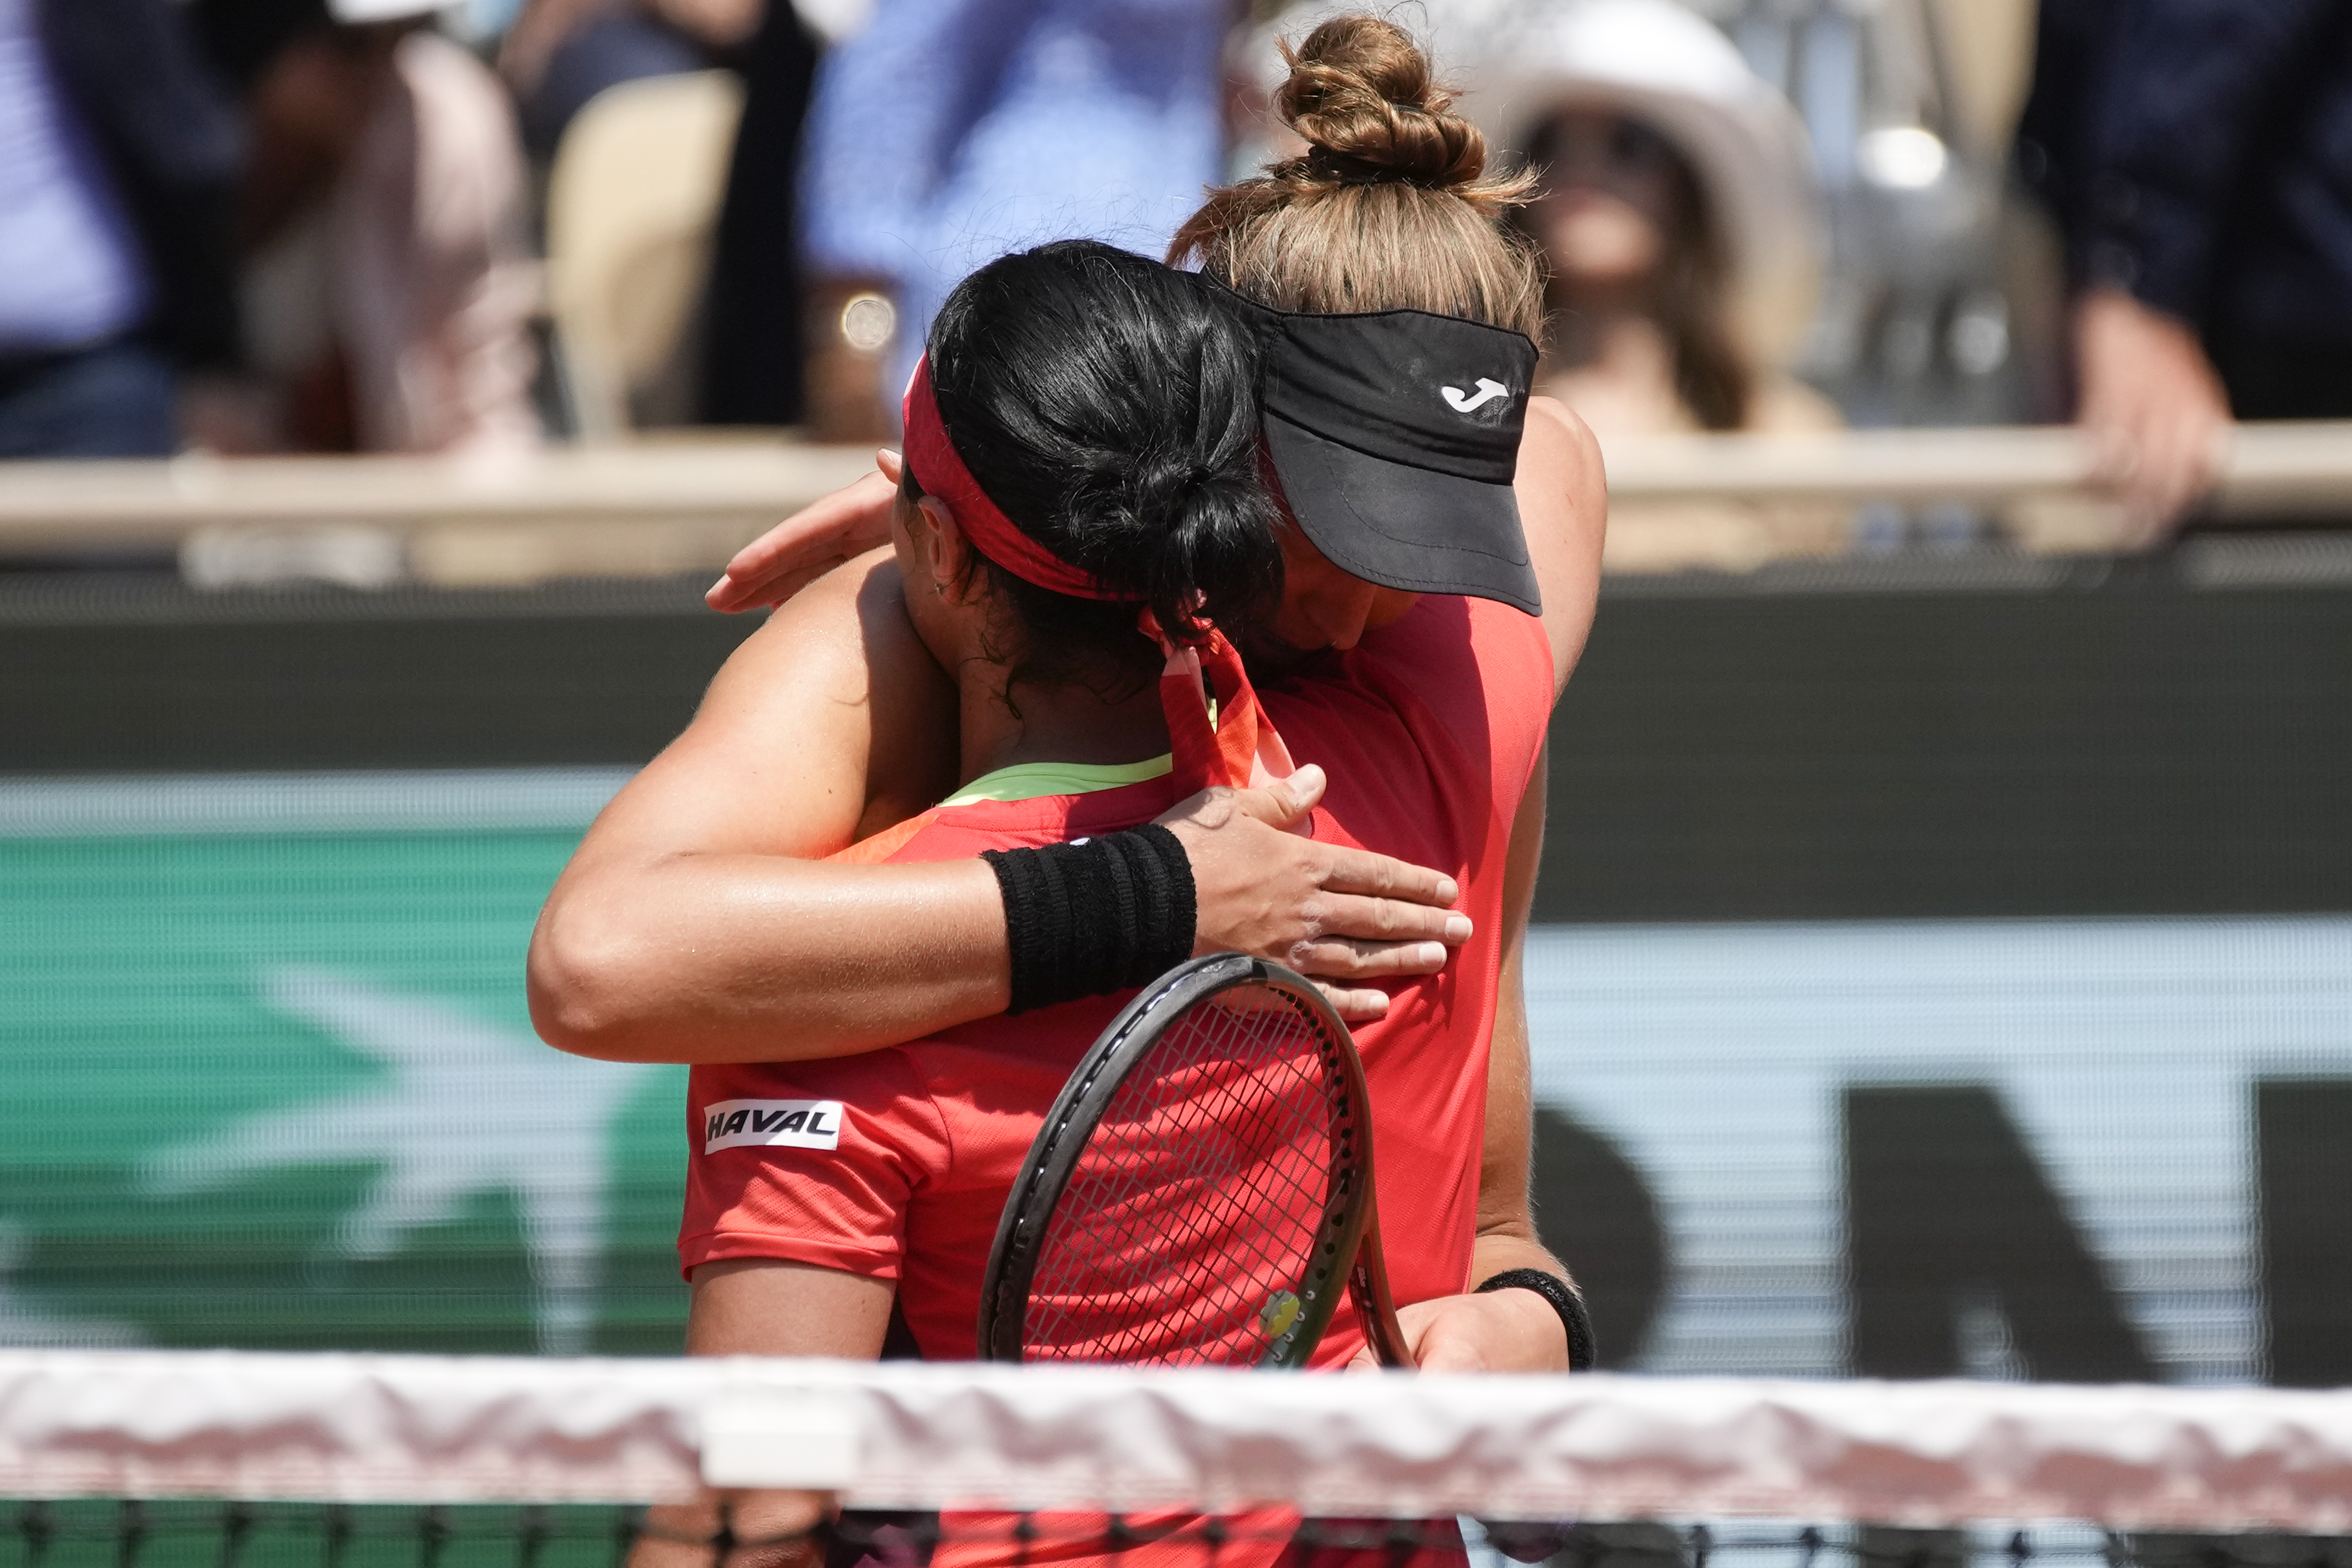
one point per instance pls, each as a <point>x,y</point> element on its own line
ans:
<point>134,1460</point>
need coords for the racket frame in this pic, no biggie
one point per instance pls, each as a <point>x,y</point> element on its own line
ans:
<point>1347,1242</point>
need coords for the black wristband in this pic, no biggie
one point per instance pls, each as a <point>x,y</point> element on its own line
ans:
<point>1095,915</point>
<point>1564,1301</point>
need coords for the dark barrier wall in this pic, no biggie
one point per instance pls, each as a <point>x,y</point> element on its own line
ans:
<point>2136,749</point>
<point>1908,958</point>
<point>2132,749</point>
<point>155,679</point>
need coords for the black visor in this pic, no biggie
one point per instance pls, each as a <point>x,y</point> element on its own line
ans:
<point>1396,435</point>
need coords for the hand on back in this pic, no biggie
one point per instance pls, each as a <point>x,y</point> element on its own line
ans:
<point>1339,916</point>
<point>811,542</point>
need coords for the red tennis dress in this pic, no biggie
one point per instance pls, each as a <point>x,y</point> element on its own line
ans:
<point>896,1164</point>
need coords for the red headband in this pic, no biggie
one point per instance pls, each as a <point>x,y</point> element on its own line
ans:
<point>941,472</point>
<point>1239,749</point>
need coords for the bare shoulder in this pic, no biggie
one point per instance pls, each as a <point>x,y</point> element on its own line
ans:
<point>826,716</point>
<point>1563,494</point>
<point>816,645</point>
<point>1563,474</point>
<point>838,681</point>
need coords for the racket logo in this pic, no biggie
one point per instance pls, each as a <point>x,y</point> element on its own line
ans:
<point>1280,1311</point>
<point>771,1124</point>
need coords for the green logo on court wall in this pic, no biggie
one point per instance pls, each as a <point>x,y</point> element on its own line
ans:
<point>279,1088</point>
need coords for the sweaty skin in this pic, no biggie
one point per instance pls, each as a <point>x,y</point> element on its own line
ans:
<point>759,1308</point>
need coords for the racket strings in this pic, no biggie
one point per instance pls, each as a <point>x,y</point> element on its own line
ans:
<point>1173,1303</point>
<point>1196,1208</point>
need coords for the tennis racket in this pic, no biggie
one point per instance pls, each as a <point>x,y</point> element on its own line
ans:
<point>1201,1189</point>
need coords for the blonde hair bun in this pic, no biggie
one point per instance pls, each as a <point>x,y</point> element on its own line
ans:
<point>1391,208</point>
<point>1361,94</point>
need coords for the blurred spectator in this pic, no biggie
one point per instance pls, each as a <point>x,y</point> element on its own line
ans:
<point>2199,156</point>
<point>1678,212</point>
<point>949,131</point>
<point>387,285</point>
<point>561,53</point>
<point>751,342</point>
<point>117,169</point>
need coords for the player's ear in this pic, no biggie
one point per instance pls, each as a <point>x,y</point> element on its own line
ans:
<point>945,554</point>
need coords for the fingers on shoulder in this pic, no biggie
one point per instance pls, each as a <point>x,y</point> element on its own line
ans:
<point>1196,816</point>
<point>843,522</point>
<point>1354,1006</point>
<point>815,651</point>
<point>1364,958</point>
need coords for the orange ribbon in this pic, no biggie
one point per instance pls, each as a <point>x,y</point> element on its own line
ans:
<point>1236,746</point>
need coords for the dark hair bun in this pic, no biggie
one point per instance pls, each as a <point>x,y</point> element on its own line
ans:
<point>1361,93</point>
<point>1108,406</point>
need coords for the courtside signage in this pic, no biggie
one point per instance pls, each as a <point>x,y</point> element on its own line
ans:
<point>1798,1125</point>
<point>770,1123</point>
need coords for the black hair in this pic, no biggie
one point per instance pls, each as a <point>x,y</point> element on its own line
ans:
<point>1108,406</point>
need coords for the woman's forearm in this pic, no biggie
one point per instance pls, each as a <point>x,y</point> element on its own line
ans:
<point>708,957</point>
<point>700,922</point>
<point>717,956</point>
<point>1507,1237</point>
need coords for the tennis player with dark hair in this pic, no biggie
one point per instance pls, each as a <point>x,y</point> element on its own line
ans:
<point>726,925</point>
<point>1083,458</point>
<point>1083,444</point>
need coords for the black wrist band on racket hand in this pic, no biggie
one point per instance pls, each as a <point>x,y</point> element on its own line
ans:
<point>1564,1301</point>
<point>1095,915</point>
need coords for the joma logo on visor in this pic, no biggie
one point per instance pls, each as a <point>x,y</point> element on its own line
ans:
<point>1462,402</point>
<point>771,1123</point>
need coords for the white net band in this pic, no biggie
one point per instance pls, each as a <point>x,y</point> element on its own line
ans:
<point>362,1428</point>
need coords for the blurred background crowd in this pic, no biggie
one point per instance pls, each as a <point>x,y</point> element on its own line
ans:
<point>392,225</point>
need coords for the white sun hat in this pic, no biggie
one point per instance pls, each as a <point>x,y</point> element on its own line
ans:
<point>1659,62</point>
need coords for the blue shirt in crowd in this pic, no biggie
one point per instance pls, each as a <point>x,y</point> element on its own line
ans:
<point>71,272</point>
<point>949,133</point>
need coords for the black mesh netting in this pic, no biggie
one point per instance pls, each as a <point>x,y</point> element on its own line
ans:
<point>107,1533</point>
